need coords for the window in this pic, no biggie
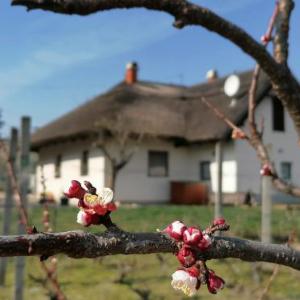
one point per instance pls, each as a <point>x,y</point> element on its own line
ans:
<point>158,163</point>
<point>57,166</point>
<point>84,163</point>
<point>205,170</point>
<point>286,170</point>
<point>278,115</point>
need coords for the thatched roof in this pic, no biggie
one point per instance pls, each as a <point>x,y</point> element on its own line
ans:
<point>162,110</point>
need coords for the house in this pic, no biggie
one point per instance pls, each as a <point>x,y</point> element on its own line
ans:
<point>173,135</point>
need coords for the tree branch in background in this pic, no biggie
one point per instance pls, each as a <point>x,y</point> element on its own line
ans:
<point>17,195</point>
<point>268,286</point>
<point>255,138</point>
<point>120,152</point>
<point>78,244</point>
<point>51,270</point>
<point>260,149</point>
<point>23,213</point>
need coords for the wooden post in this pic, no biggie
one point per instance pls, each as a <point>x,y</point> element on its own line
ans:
<point>8,199</point>
<point>266,210</point>
<point>219,190</point>
<point>24,179</point>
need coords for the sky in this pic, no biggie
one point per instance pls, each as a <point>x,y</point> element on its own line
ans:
<point>51,63</point>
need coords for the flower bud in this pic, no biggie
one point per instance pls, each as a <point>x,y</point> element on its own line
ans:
<point>214,282</point>
<point>186,256</point>
<point>175,230</point>
<point>266,170</point>
<point>75,190</point>
<point>219,221</point>
<point>192,236</point>
<point>205,243</point>
<point>84,218</point>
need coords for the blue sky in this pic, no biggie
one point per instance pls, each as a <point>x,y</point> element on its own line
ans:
<point>51,63</point>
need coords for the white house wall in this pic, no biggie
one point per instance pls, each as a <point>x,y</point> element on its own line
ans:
<point>206,152</point>
<point>133,182</point>
<point>70,167</point>
<point>282,146</point>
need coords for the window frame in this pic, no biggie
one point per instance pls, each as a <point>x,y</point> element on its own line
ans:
<point>57,166</point>
<point>278,116</point>
<point>290,170</point>
<point>84,163</point>
<point>203,163</point>
<point>166,166</point>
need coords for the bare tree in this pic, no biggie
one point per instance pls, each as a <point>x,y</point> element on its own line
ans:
<point>118,146</point>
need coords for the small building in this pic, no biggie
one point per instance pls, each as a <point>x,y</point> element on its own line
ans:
<point>169,136</point>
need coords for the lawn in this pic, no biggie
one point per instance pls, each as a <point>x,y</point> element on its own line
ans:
<point>127,277</point>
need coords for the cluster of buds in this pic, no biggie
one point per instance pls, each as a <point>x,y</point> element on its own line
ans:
<point>92,206</point>
<point>193,271</point>
<point>266,170</point>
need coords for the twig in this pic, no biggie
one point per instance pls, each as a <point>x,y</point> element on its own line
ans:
<point>221,116</point>
<point>50,272</point>
<point>18,198</point>
<point>268,285</point>
<point>253,87</point>
<point>22,211</point>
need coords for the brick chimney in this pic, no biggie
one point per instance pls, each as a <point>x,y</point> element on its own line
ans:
<point>211,75</point>
<point>131,73</point>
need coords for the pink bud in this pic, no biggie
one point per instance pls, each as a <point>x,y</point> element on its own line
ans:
<point>238,134</point>
<point>214,282</point>
<point>75,190</point>
<point>175,230</point>
<point>219,221</point>
<point>193,271</point>
<point>266,170</point>
<point>264,39</point>
<point>205,243</point>
<point>186,256</point>
<point>192,236</point>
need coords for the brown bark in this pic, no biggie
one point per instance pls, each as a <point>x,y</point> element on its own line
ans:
<point>281,45</point>
<point>78,244</point>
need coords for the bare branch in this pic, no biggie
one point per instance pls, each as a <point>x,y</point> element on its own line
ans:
<point>268,286</point>
<point>252,103</point>
<point>261,151</point>
<point>78,244</point>
<point>281,45</point>
<point>221,116</point>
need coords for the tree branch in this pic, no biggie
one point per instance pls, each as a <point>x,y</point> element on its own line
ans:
<point>79,244</point>
<point>281,45</point>
<point>256,142</point>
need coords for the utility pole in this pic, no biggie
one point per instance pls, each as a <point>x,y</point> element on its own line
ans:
<point>219,185</point>
<point>8,204</point>
<point>24,179</point>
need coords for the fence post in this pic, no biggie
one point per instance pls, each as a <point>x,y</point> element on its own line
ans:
<point>266,210</point>
<point>219,185</point>
<point>24,179</point>
<point>8,199</point>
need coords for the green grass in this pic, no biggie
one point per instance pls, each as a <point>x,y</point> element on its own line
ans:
<point>96,279</point>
